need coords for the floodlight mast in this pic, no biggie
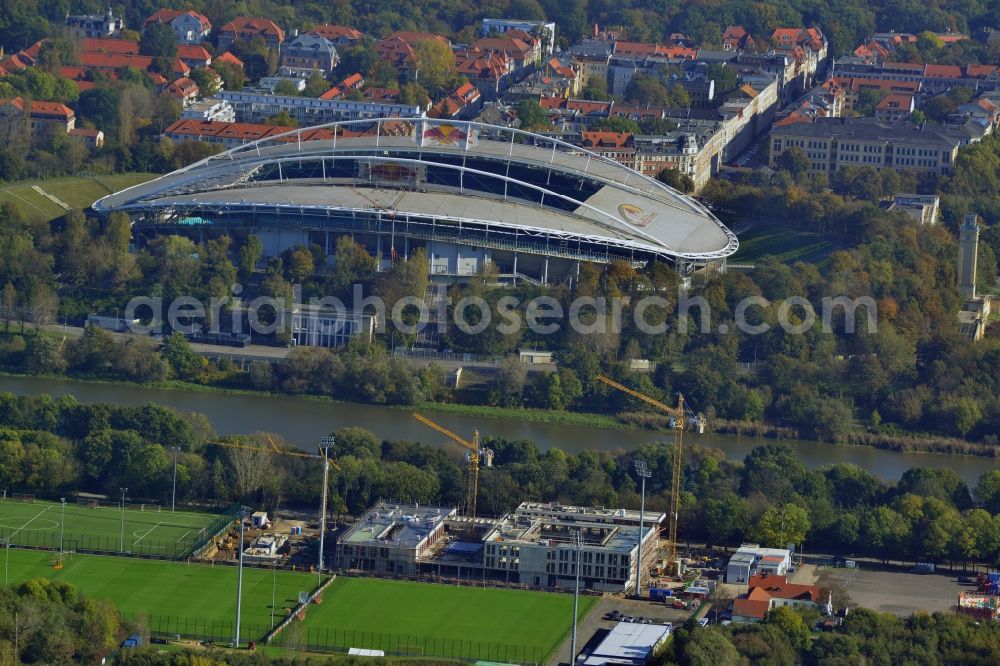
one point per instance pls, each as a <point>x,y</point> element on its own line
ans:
<point>241,515</point>
<point>325,444</point>
<point>642,471</point>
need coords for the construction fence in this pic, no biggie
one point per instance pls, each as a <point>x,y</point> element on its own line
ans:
<point>321,639</point>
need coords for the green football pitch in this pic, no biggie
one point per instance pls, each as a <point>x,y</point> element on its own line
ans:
<point>194,600</point>
<point>147,530</point>
<point>513,626</point>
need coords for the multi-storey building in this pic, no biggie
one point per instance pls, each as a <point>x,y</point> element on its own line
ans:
<point>833,143</point>
<point>310,52</point>
<point>95,25</point>
<point>248,28</point>
<point>545,31</point>
<point>189,26</point>
<point>255,107</point>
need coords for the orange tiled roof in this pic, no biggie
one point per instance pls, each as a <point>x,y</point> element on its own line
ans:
<point>230,58</point>
<point>334,32</point>
<point>252,25</point>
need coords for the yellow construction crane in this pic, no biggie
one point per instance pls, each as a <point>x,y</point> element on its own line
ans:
<point>473,453</point>
<point>677,422</point>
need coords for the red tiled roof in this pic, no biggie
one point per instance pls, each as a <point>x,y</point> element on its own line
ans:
<point>353,81</point>
<point>120,46</point>
<point>118,60</point>
<point>551,103</point>
<point>252,25</point>
<point>230,58</point>
<point>182,87</point>
<point>943,71</point>
<point>860,83</point>
<point>17,102</point>
<point>979,71</point>
<point>512,47</point>
<point>193,52</point>
<point>51,109</point>
<point>893,102</point>
<point>587,106</point>
<point>605,139</point>
<point>168,16</point>
<point>334,32</point>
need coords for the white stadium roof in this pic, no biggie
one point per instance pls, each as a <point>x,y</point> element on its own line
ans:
<point>455,173</point>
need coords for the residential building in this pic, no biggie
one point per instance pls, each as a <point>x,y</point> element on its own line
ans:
<point>808,46</point>
<point>229,58</point>
<point>184,90</point>
<point>490,72</point>
<point>392,538</point>
<point>321,326</point>
<point>230,135</point>
<point>93,139</point>
<point>341,36</point>
<point>852,87</point>
<point>628,644</point>
<point>924,208</point>
<point>95,25</point>
<point>113,62</point>
<point>832,143</point>
<point>248,28</point>
<point>592,57</point>
<point>211,109</point>
<point>968,251</point>
<point>310,51</point>
<point>43,117</point>
<point>736,38</point>
<point>769,591</point>
<point>894,108</point>
<point>189,26</point>
<point>520,49</point>
<point>464,103</point>
<point>194,56</point>
<point>109,45</point>
<point>546,31</point>
<point>255,107</point>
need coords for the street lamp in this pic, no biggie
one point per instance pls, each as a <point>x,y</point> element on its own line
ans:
<point>173,496</point>
<point>324,446</point>
<point>121,545</point>
<point>6,561</point>
<point>578,542</point>
<point>241,515</point>
<point>643,472</point>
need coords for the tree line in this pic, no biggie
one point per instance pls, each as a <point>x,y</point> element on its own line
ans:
<point>54,446</point>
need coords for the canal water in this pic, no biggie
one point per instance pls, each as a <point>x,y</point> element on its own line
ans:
<point>303,422</point>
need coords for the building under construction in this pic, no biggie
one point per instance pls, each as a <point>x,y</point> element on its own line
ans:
<point>535,545</point>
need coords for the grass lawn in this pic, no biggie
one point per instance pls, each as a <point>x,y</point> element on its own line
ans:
<point>190,599</point>
<point>784,244</point>
<point>439,620</point>
<point>75,191</point>
<point>152,530</point>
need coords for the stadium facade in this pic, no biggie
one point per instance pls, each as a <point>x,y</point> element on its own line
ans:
<point>469,193</point>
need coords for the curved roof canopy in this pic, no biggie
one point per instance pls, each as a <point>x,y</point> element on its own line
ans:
<point>452,171</point>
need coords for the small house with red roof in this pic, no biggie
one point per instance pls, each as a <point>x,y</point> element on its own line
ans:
<point>194,56</point>
<point>465,102</point>
<point>341,35</point>
<point>41,118</point>
<point>769,591</point>
<point>893,108</point>
<point>184,90</point>
<point>736,38</point>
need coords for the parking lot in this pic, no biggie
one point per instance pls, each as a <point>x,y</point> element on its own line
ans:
<point>892,590</point>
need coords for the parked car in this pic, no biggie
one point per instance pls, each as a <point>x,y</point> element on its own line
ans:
<point>628,618</point>
<point>703,622</point>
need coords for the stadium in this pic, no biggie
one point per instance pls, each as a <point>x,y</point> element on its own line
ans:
<point>469,193</point>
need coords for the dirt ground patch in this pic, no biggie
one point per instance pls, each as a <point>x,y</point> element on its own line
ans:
<point>896,592</point>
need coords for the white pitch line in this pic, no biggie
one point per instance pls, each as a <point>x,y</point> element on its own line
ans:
<point>181,537</point>
<point>11,536</point>
<point>145,534</point>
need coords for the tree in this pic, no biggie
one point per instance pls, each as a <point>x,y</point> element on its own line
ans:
<point>282,119</point>
<point>414,94</point>
<point>596,89</point>
<point>508,385</point>
<point>725,77</point>
<point>250,254</point>
<point>298,263</point>
<point>531,115</point>
<point>987,492</point>
<point>316,85</point>
<point>8,305</point>
<point>435,65</point>
<point>286,87</point>
<point>183,361</point>
<point>868,98</point>
<point>617,124</point>
<point>779,527</point>
<point>208,80</point>
<point>646,90</point>
<point>43,305</point>
<point>42,356</point>
<point>233,76</point>
<point>158,40</point>
<point>795,161</point>
<point>676,179</point>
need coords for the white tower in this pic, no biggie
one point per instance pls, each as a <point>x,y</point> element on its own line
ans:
<point>968,248</point>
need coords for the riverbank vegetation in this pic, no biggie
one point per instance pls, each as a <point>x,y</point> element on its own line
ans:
<point>51,447</point>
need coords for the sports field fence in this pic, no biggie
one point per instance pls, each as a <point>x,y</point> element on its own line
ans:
<point>182,547</point>
<point>322,639</point>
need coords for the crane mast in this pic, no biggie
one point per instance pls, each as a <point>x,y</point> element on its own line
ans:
<point>474,452</point>
<point>677,422</point>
